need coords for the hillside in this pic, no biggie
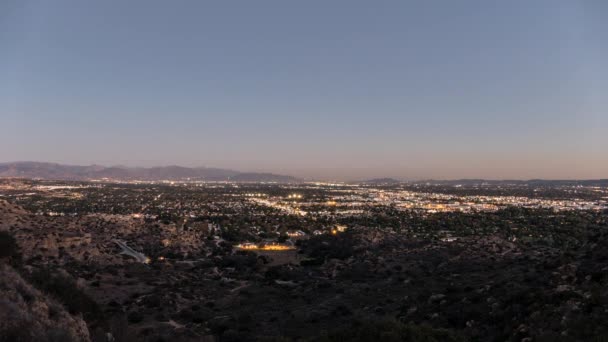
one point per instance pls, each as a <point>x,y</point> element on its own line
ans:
<point>26,314</point>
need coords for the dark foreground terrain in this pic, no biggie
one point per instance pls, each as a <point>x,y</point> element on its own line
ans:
<point>516,274</point>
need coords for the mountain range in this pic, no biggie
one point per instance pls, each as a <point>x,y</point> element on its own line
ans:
<point>39,170</point>
<point>54,171</point>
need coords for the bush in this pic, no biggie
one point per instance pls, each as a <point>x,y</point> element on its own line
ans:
<point>8,246</point>
<point>326,247</point>
<point>389,331</point>
<point>64,289</point>
<point>135,317</point>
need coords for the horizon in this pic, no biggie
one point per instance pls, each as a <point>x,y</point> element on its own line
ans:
<point>305,179</point>
<point>341,91</point>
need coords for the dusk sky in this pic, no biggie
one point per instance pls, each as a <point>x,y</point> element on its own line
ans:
<point>316,89</point>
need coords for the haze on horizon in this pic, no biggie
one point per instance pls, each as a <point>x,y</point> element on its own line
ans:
<point>327,90</point>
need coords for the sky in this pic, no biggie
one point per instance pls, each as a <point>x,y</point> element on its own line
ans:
<point>322,89</point>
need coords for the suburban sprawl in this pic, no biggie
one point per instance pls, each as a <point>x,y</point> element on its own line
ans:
<point>192,260</point>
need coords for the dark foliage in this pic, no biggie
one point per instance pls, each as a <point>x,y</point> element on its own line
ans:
<point>64,289</point>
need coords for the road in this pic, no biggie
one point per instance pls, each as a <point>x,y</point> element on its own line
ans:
<point>131,252</point>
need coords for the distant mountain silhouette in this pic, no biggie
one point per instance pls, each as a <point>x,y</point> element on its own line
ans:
<point>530,182</point>
<point>261,177</point>
<point>382,181</point>
<point>39,170</point>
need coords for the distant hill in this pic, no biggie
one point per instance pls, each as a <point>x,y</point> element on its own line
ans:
<point>381,181</point>
<point>55,171</point>
<point>262,177</point>
<point>531,182</point>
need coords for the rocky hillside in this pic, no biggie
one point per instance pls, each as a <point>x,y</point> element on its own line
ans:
<point>26,314</point>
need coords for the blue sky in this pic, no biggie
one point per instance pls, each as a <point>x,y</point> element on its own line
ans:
<point>320,89</point>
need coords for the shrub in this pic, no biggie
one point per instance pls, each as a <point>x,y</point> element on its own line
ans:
<point>64,289</point>
<point>389,330</point>
<point>8,246</point>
